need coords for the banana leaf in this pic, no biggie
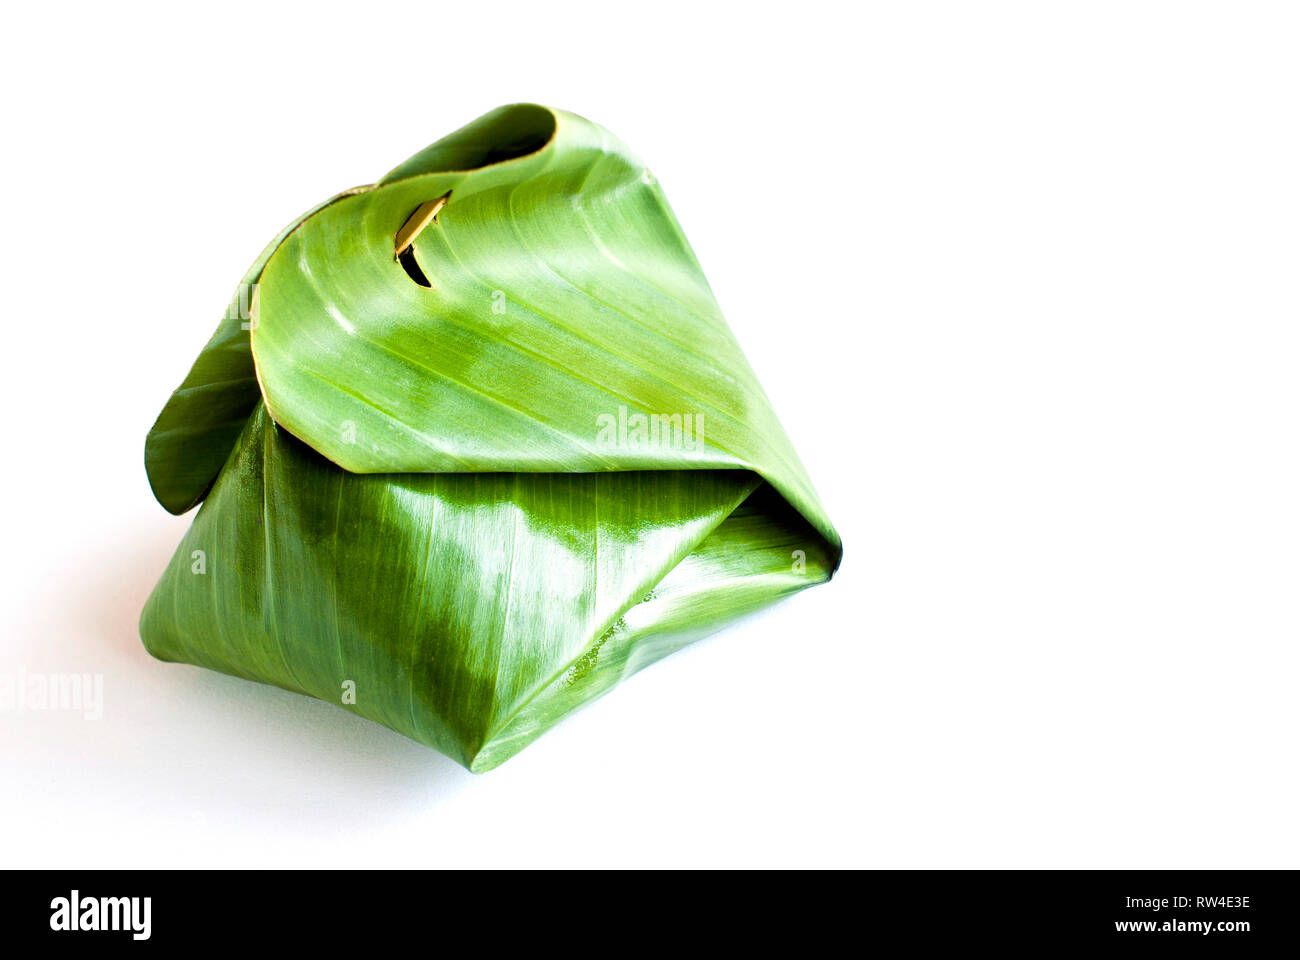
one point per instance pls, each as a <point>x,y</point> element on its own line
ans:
<point>473,444</point>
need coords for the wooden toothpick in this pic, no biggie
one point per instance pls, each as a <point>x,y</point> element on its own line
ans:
<point>425,214</point>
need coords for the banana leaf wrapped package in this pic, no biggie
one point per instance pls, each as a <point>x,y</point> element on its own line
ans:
<point>473,444</point>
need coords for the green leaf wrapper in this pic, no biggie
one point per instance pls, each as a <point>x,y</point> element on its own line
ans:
<point>464,509</point>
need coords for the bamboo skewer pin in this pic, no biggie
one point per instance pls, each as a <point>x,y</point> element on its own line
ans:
<point>425,214</point>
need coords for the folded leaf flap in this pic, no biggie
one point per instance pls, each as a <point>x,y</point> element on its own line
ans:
<point>567,325</point>
<point>197,427</point>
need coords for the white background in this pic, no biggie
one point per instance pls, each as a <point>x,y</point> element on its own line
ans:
<point>1021,280</point>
